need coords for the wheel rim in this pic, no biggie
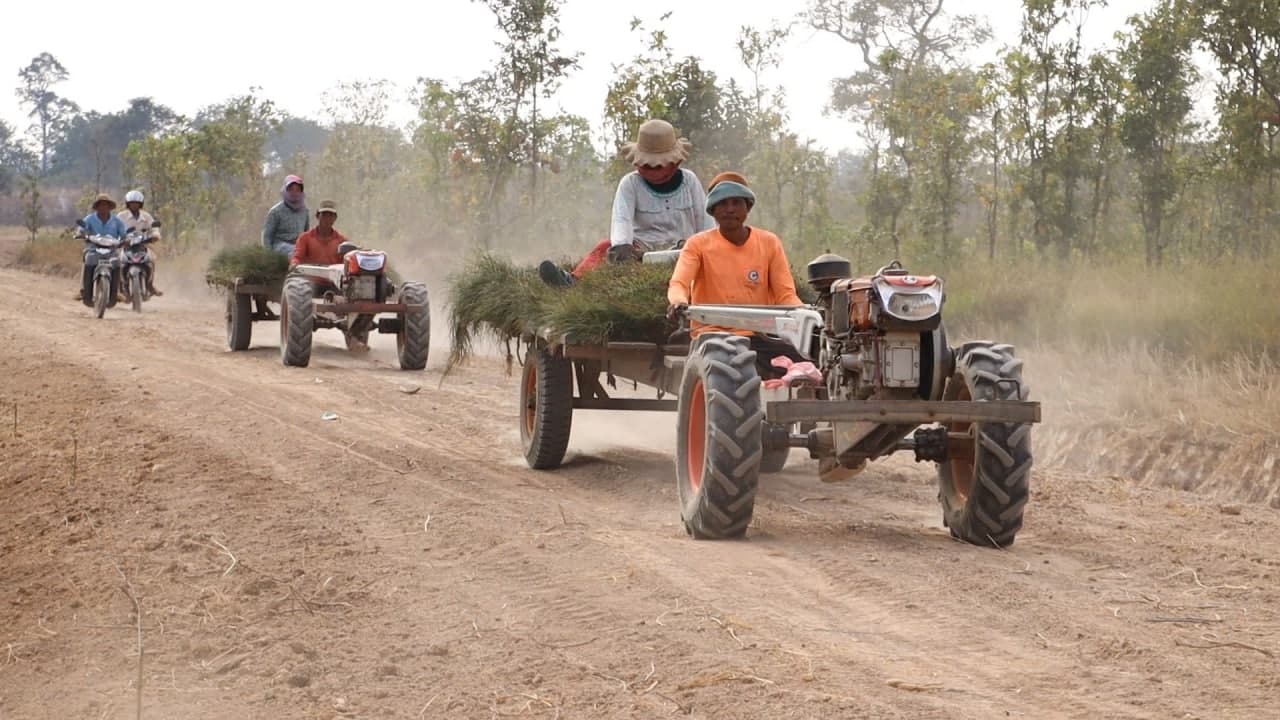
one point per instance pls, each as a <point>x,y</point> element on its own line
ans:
<point>696,436</point>
<point>963,457</point>
<point>531,398</point>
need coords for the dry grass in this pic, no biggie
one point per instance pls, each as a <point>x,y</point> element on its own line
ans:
<point>1211,314</point>
<point>56,254</point>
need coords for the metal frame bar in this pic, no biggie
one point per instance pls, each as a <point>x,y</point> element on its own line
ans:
<point>892,412</point>
<point>624,404</point>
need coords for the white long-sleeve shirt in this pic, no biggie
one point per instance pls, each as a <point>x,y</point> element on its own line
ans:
<point>658,221</point>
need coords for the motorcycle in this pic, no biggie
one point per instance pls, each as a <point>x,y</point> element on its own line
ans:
<point>102,270</point>
<point>135,276</point>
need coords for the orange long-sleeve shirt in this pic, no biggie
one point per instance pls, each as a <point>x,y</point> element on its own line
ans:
<point>713,271</point>
<point>311,249</point>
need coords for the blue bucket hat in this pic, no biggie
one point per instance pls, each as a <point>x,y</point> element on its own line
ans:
<point>726,189</point>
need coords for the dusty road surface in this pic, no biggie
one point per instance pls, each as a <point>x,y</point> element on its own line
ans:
<point>164,496</point>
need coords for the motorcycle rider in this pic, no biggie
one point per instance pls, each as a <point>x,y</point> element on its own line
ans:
<point>656,206</point>
<point>286,220</point>
<point>99,222</point>
<point>138,220</point>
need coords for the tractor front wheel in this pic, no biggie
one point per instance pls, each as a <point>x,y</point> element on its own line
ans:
<point>414,339</point>
<point>984,486</point>
<point>718,441</point>
<point>297,322</point>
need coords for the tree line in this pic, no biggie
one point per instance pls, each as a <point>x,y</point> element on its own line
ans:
<point>1046,149</point>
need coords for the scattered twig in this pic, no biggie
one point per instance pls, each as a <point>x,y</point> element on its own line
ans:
<point>815,498</point>
<point>305,605</point>
<point>227,552</point>
<point>1188,620</point>
<point>1232,643</point>
<point>1196,576</point>
<point>423,712</point>
<point>562,646</point>
<point>127,589</point>
<point>913,687</point>
<point>729,627</point>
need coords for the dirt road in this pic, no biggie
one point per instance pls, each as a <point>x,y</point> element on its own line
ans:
<point>401,562</point>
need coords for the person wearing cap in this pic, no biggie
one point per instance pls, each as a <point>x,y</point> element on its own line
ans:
<point>733,263</point>
<point>319,245</point>
<point>99,222</point>
<point>656,206</point>
<point>139,220</point>
<point>286,220</point>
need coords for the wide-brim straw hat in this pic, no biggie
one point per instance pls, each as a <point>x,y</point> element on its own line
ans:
<point>657,144</point>
<point>103,198</point>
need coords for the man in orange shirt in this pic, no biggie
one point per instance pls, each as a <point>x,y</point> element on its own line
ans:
<point>319,245</point>
<point>733,263</point>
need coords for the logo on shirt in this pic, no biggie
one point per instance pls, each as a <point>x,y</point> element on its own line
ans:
<point>753,276</point>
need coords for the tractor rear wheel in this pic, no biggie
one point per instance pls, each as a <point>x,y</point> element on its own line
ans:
<point>718,437</point>
<point>546,409</point>
<point>984,487</point>
<point>414,339</point>
<point>239,320</point>
<point>297,322</point>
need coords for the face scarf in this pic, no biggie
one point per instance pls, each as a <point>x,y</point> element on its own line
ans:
<point>295,199</point>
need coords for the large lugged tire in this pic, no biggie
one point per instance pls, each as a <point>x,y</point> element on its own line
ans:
<point>984,489</point>
<point>239,321</point>
<point>546,409</point>
<point>297,322</point>
<point>414,339</point>
<point>101,295</point>
<point>718,443</point>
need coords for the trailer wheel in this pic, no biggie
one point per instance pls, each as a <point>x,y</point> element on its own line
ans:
<point>414,339</point>
<point>297,322</point>
<point>239,321</point>
<point>718,444</point>
<point>984,488</point>
<point>546,409</point>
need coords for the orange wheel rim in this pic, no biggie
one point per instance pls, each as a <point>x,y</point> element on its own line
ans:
<point>531,398</point>
<point>696,436</point>
<point>963,459</point>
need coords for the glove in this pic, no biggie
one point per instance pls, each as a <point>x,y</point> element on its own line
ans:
<point>622,253</point>
<point>676,310</point>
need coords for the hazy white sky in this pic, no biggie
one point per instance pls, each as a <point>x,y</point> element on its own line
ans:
<point>187,56</point>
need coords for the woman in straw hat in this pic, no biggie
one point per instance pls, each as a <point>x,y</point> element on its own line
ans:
<point>656,206</point>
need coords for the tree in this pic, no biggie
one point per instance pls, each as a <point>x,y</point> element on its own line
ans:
<point>1156,106</point>
<point>657,84</point>
<point>166,166</point>
<point>10,157</point>
<point>916,104</point>
<point>51,112</point>
<point>31,202</point>
<point>531,67</point>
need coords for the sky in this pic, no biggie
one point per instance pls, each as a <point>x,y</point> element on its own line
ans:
<point>187,56</point>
